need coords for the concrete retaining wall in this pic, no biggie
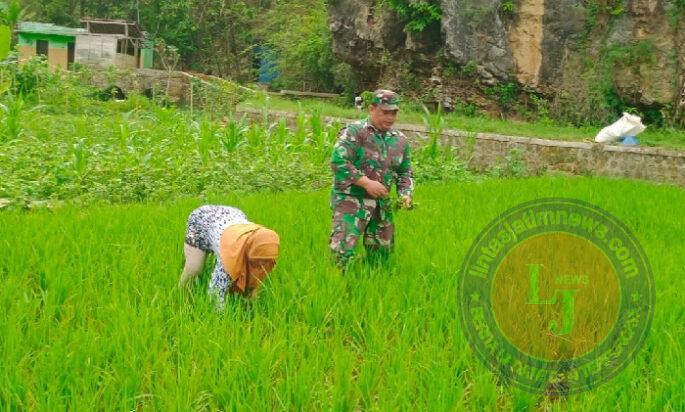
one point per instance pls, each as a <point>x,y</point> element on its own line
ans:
<point>485,150</point>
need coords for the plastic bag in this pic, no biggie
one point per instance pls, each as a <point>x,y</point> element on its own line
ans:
<point>629,141</point>
<point>628,125</point>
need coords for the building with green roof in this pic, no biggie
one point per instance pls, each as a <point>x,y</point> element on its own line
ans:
<point>57,43</point>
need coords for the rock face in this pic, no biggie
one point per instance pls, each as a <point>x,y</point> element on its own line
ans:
<point>635,46</point>
<point>362,32</point>
<point>528,42</point>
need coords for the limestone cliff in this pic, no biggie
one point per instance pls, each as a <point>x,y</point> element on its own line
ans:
<point>575,51</point>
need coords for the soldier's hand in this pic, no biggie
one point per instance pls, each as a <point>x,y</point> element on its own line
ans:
<point>375,189</point>
<point>407,202</point>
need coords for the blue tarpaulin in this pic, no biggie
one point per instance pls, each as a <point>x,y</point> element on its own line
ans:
<point>268,64</point>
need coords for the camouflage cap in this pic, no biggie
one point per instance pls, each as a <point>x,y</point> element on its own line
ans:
<point>386,99</point>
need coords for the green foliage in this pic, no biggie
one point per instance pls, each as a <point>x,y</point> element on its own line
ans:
<point>641,52</point>
<point>136,150</point>
<point>28,77</point>
<point>417,14</point>
<point>81,156</point>
<point>438,160</point>
<point>467,117</point>
<point>676,11</point>
<point>303,50</point>
<point>505,93</point>
<point>599,15</point>
<point>435,125</point>
<point>11,13</point>
<point>218,37</point>
<point>454,70</point>
<point>212,36</point>
<point>465,109</point>
<point>11,117</point>
<point>231,138</point>
<point>5,39</point>
<point>508,6</point>
<point>470,68</point>
<point>218,97</point>
<point>92,317</point>
<point>541,108</point>
<point>511,166</point>
<point>600,102</point>
<point>345,78</point>
<point>366,96</point>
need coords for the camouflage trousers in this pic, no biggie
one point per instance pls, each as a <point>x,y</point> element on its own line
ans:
<point>354,217</point>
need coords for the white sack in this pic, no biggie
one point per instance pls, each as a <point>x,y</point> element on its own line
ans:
<point>628,125</point>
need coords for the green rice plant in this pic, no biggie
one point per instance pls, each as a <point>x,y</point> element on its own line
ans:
<point>92,319</point>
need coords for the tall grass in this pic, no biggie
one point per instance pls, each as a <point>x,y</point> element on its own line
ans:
<point>91,317</point>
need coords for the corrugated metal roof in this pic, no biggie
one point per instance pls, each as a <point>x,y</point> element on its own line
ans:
<point>47,28</point>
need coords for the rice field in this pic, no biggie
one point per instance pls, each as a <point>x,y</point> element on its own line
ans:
<point>91,319</point>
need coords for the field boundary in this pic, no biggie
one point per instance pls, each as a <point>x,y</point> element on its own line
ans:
<point>483,151</point>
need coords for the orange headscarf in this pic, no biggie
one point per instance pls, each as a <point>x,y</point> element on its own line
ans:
<point>248,253</point>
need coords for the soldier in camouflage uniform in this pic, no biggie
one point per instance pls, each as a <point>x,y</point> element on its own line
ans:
<point>369,156</point>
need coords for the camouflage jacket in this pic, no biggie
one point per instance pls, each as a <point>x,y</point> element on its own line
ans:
<point>362,150</point>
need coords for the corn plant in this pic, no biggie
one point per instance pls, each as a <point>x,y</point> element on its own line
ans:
<point>12,113</point>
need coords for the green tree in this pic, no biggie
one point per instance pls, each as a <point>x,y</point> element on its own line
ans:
<point>212,36</point>
<point>304,52</point>
<point>10,14</point>
<point>218,36</point>
<point>417,14</point>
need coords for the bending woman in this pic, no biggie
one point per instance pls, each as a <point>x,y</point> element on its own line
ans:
<point>245,252</point>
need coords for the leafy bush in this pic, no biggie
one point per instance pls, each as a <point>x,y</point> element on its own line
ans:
<point>417,14</point>
<point>505,93</point>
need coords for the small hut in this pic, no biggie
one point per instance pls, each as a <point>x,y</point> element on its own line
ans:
<point>56,43</point>
<point>119,43</point>
<point>98,42</point>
